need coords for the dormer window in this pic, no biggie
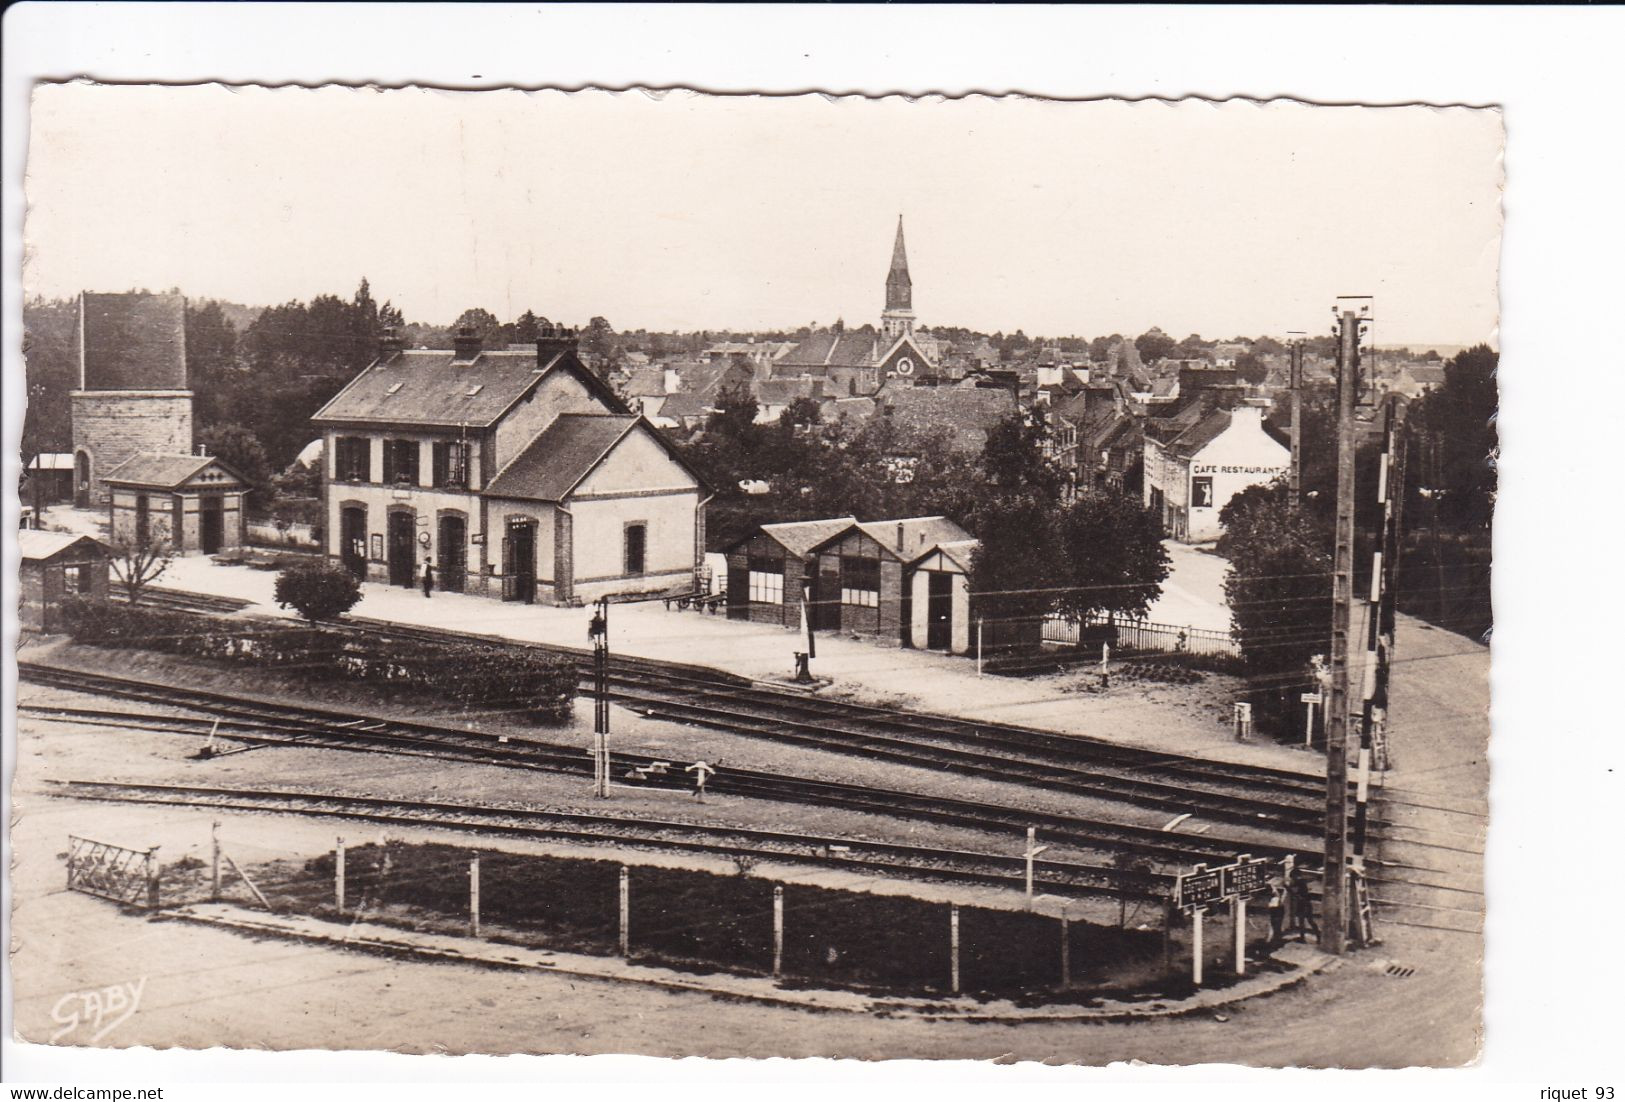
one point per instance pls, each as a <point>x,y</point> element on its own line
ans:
<point>475,389</point>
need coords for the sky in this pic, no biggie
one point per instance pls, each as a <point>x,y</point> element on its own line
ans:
<point>684,211</point>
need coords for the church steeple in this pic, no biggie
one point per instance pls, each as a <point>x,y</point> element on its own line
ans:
<point>898,317</point>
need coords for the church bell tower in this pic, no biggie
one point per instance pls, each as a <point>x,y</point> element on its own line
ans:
<point>897,320</point>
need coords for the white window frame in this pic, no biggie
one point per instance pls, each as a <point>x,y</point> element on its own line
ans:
<point>767,587</point>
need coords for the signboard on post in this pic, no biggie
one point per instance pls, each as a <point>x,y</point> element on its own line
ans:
<point>1248,876</point>
<point>1200,887</point>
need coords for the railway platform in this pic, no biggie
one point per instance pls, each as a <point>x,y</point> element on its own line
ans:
<point>857,669</point>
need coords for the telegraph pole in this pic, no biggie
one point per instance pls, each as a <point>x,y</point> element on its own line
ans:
<point>599,632</point>
<point>1296,476</point>
<point>1334,897</point>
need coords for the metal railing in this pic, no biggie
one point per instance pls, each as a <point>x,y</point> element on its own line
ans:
<point>1141,636</point>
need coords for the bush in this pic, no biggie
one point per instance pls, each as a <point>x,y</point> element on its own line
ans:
<point>320,590</point>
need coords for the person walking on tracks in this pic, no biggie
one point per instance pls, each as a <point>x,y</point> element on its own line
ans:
<point>702,773</point>
<point>428,577</point>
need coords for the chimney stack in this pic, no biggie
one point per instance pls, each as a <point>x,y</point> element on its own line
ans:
<point>467,344</point>
<point>553,339</point>
<point>899,535</point>
<point>390,342</point>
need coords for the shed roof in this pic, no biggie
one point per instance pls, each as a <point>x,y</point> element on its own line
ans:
<point>164,472</point>
<point>800,536</point>
<point>37,546</point>
<point>917,534</point>
<point>958,552</point>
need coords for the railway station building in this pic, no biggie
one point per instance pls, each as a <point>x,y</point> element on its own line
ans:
<point>513,472</point>
<point>194,503</point>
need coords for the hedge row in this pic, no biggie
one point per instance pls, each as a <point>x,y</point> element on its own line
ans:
<point>532,682</point>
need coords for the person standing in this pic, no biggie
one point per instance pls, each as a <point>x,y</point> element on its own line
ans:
<point>428,577</point>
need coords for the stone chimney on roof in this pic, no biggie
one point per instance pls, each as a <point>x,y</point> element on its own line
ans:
<point>467,344</point>
<point>552,339</point>
<point>390,342</point>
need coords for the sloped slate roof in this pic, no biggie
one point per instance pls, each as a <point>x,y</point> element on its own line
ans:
<point>967,413</point>
<point>833,349</point>
<point>37,546</point>
<point>919,533</point>
<point>164,472</point>
<point>1201,434</point>
<point>133,341</point>
<point>646,382</point>
<point>800,536</point>
<point>435,389</point>
<point>558,459</point>
<point>687,403</point>
<point>959,552</point>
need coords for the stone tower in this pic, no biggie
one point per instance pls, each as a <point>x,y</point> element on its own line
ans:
<point>132,394</point>
<point>897,320</point>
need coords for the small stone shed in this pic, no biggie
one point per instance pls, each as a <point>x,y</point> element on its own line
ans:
<point>53,566</point>
<point>194,502</point>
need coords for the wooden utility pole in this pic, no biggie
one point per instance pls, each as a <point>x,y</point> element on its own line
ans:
<point>474,896</point>
<point>1333,893</point>
<point>598,631</point>
<point>1295,480</point>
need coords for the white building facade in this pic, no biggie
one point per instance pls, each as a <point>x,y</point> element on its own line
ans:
<point>510,473</point>
<point>1190,479</point>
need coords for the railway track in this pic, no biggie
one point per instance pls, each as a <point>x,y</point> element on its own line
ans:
<point>259,722</point>
<point>1088,767</point>
<point>179,600</point>
<point>896,859</point>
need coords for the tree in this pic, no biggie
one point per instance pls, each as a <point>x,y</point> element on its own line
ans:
<point>483,322</point>
<point>238,448</point>
<point>1112,557</point>
<point>1251,368</point>
<point>138,560</point>
<point>318,590</point>
<point>1014,460</point>
<point>1015,571</point>
<point>1153,345</point>
<point>802,413</point>
<point>1280,593</point>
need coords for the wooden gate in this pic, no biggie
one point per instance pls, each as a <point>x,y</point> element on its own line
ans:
<point>128,876</point>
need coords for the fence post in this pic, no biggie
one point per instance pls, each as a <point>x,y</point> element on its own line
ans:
<point>1196,945</point>
<point>778,929</point>
<point>474,896</point>
<point>214,838</point>
<point>1066,953</point>
<point>338,875</point>
<point>626,912</point>
<point>152,877</point>
<point>953,946</point>
<point>1238,915</point>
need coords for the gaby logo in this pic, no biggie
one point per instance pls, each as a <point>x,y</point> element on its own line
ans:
<point>103,1009</point>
